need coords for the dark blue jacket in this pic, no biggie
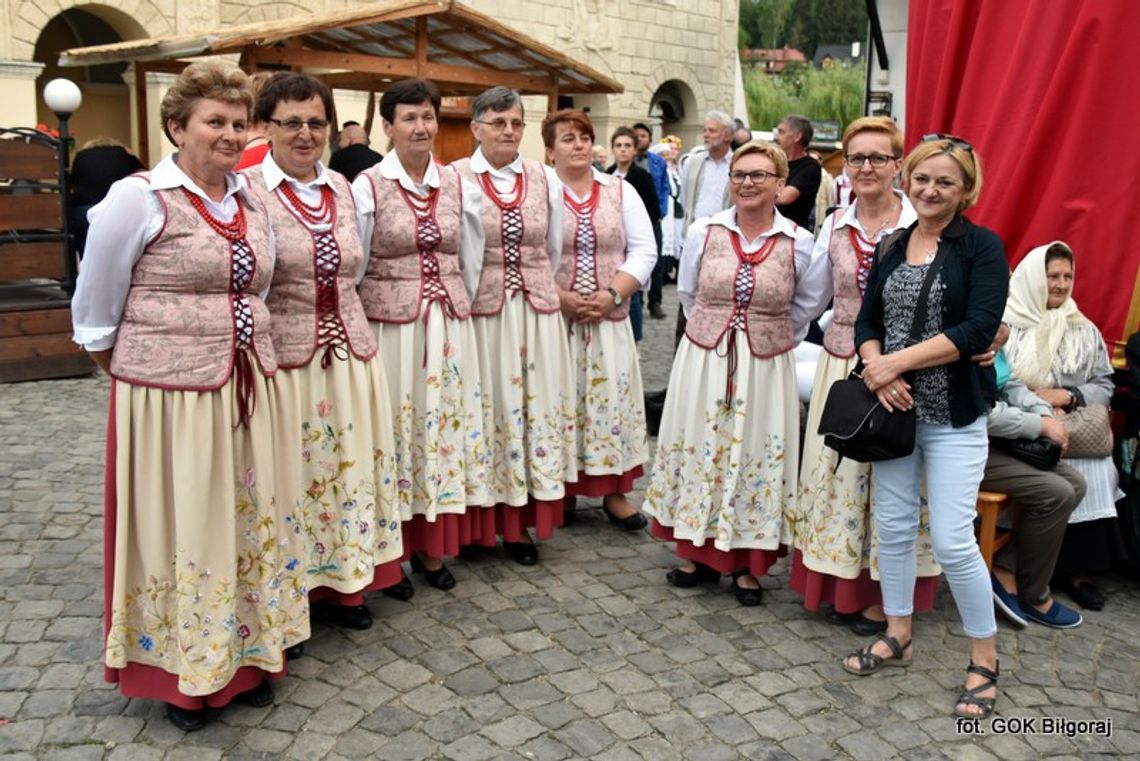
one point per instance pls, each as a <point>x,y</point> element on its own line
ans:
<point>975,283</point>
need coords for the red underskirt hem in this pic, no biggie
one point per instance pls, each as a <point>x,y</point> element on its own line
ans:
<point>384,576</point>
<point>487,524</point>
<point>439,538</point>
<point>755,562</point>
<point>138,680</point>
<point>851,595</point>
<point>603,486</point>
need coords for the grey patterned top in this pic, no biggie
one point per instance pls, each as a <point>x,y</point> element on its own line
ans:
<point>931,389</point>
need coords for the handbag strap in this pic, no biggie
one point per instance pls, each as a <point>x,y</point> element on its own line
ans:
<point>920,307</point>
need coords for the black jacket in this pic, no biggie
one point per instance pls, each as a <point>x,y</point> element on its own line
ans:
<point>354,159</point>
<point>642,182</point>
<point>975,283</point>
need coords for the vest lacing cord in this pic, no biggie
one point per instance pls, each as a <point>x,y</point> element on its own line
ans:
<point>512,233</point>
<point>428,238</point>
<point>585,261</point>
<point>331,332</point>
<point>241,275</point>
<point>742,296</point>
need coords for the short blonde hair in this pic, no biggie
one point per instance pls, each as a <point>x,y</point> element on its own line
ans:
<point>967,159</point>
<point>204,80</point>
<point>881,124</point>
<point>774,152</point>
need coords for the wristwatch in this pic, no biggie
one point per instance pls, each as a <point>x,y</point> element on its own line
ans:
<point>617,296</point>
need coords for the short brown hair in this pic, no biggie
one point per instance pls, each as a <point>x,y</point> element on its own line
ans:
<point>774,152</point>
<point>623,132</point>
<point>408,92</point>
<point>290,86</point>
<point>576,119</point>
<point>204,80</point>
<point>881,124</point>
<point>966,158</point>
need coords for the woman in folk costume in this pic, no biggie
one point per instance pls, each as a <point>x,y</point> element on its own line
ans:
<point>608,254</point>
<point>834,551</point>
<point>421,224</point>
<point>524,356</point>
<point>724,475</point>
<point>204,583</point>
<point>1060,355</point>
<point>334,429</point>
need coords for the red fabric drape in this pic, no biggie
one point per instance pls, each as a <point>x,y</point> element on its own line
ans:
<point>1046,92</point>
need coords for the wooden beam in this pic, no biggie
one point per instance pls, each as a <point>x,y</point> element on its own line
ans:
<point>350,62</point>
<point>421,47</point>
<point>445,74</point>
<point>141,113</point>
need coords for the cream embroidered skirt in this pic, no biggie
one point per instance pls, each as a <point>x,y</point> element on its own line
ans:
<point>205,580</point>
<point>334,454</point>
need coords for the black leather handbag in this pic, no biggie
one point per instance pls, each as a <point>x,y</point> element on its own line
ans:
<point>854,423</point>
<point>1041,453</point>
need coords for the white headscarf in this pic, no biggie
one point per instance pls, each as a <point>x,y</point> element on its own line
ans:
<point>1043,342</point>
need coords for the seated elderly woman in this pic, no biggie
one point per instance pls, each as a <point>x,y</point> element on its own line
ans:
<point>1061,357</point>
<point>1046,498</point>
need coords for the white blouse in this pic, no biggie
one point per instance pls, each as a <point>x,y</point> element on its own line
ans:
<point>471,235</point>
<point>640,245</point>
<point>121,225</point>
<point>806,303</point>
<point>503,179</point>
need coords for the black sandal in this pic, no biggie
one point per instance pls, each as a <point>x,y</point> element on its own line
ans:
<point>970,697</point>
<point>870,662</point>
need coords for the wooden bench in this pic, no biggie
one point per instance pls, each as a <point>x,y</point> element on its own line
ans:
<point>991,538</point>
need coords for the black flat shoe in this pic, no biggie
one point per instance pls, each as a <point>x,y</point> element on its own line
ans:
<point>857,622</point>
<point>634,522</point>
<point>745,596</point>
<point>686,579</point>
<point>356,617</point>
<point>569,511</point>
<point>440,578</point>
<point>403,590</point>
<point>523,553</point>
<point>185,719</point>
<point>260,696</point>
<point>1085,594</point>
<point>295,652</point>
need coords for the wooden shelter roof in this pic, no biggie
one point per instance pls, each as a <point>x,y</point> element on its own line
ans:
<point>366,46</point>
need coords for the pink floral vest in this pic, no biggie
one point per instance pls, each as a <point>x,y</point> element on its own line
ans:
<point>414,251</point>
<point>846,265</point>
<point>733,295</point>
<point>515,257</point>
<point>193,302</point>
<point>313,298</point>
<point>593,243</point>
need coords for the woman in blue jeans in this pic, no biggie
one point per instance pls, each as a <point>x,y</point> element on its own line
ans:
<point>950,395</point>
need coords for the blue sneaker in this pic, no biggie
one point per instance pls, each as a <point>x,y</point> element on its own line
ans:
<point>1057,617</point>
<point>1008,604</point>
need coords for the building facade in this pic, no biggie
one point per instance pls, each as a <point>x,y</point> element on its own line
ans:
<point>676,58</point>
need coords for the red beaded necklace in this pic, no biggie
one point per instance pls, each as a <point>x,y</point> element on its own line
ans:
<point>518,193</point>
<point>864,256</point>
<point>420,205</point>
<point>323,213</point>
<point>756,256</point>
<point>235,229</point>
<point>583,208</point>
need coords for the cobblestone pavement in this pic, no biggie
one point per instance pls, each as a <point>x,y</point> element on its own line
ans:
<point>587,655</point>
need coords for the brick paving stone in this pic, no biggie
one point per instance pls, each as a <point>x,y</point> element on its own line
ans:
<point>390,720</point>
<point>556,715</point>
<point>472,681</point>
<point>527,695</point>
<point>448,726</point>
<point>808,748</point>
<point>774,724</point>
<point>488,709</point>
<point>134,752</point>
<point>470,748</point>
<point>512,732</point>
<point>267,740</point>
<point>430,699</point>
<point>626,724</point>
<point>586,737</point>
<point>545,748</point>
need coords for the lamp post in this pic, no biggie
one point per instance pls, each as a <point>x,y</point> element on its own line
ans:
<point>63,97</point>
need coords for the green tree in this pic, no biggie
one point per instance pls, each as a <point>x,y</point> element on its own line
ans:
<point>801,24</point>
<point>834,94</point>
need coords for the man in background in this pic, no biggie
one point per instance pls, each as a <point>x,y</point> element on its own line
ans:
<point>797,200</point>
<point>354,155</point>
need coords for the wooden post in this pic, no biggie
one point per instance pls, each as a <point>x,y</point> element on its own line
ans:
<point>141,113</point>
<point>552,99</point>
<point>421,46</point>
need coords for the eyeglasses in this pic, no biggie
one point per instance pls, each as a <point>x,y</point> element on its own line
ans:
<point>501,124</point>
<point>878,160</point>
<point>951,140</point>
<point>295,125</point>
<point>759,177</point>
